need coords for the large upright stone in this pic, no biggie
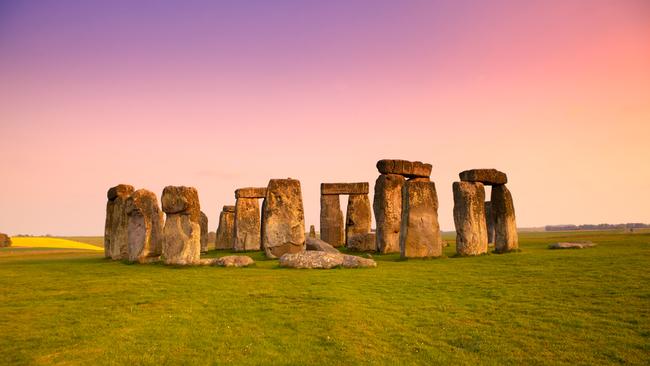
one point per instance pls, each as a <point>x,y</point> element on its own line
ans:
<point>145,226</point>
<point>5,240</point>
<point>489,221</point>
<point>409,169</point>
<point>204,232</point>
<point>331,220</point>
<point>226,230</point>
<point>387,205</point>
<point>505,225</point>
<point>247,224</point>
<point>116,225</point>
<point>358,218</point>
<point>485,176</point>
<point>420,231</point>
<point>284,218</point>
<point>182,232</point>
<point>469,218</point>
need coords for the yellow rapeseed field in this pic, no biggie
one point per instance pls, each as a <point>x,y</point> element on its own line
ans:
<point>44,242</point>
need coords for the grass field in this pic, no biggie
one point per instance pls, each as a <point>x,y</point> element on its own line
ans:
<point>535,307</point>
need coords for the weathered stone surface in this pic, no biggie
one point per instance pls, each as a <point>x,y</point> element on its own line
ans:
<point>284,218</point>
<point>228,208</point>
<point>251,192</point>
<point>366,242</point>
<point>319,245</point>
<point>405,168</point>
<point>469,218</point>
<point>145,227</point>
<point>203,221</point>
<point>247,224</point>
<point>420,230</point>
<point>212,238</point>
<point>182,231</point>
<point>228,261</point>
<point>226,230</point>
<point>489,221</point>
<point>344,188</point>
<point>116,225</point>
<point>387,206</point>
<point>505,225</point>
<point>5,240</point>
<point>323,260</point>
<point>581,245</point>
<point>358,218</point>
<point>312,231</point>
<point>485,176</point>
<point>331,220</point>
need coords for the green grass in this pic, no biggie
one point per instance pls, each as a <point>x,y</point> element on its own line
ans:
<point>534,307</point>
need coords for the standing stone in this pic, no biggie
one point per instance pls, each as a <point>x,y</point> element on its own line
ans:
<point>116,225</point>
<point>358,217</point>
<point>387,205</point>
<point>226,230</point>
<point>284,218</point>
<point>505,225</point>
<point>312,231</point>
<point>420,231</point>
<point>182,231</point>
<point>469,218</point>
<point>362,242</point>
<point>247,224</point>
<point>204,232</point>
<point>489,222</point>
<point>331,220</point>
<point>145,226</point>
<point>5,240</point>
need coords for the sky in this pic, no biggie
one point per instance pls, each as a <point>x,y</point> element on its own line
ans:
<point>226,94</point>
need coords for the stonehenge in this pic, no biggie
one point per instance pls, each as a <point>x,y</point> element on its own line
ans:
<point>247,218</point>
<point>145,227</point>
<point>358,219</point>
<point>479,222</point>
<point>283,218</point>
<point>182,230</point>
<point>226,230</point>
<point>116,224</point>
<point>5,240</point>
<point>204,232</point>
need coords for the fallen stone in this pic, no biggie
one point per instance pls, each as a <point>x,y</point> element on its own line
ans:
<point>251,192</point>
<point>226,230</point>
<point>469,218</point>
<point>485,176</point>
<point>319,245</point>
<point>420,230</point>
<point>182,231</point>
<point>344,188</point>
<point>565,245</point>
<point>323,260</point>
<point>144,228</point>
<point>228,261</point>
<point>5,241</point>
<point>409,169</point>
<point>366,242</point>
<point>204,232</point>
<point>116,224</point>
<point>283,218</point>
<point>506,238</point>
<point>352,261</point>
<point>247,225</point>
<point>387,206</point>
<point>358,218</point>
<point>331,220</point>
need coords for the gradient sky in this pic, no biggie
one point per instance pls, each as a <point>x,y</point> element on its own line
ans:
<point>227,94</point>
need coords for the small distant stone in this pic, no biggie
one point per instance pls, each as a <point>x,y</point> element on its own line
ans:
<point>566,245</point>
<point>5,240</point>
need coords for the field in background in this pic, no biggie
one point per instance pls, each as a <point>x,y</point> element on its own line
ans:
<point>50,242</point>
<point>538,306</point>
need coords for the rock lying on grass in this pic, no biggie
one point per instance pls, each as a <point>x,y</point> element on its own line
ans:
<point>5,240</point>
<point>228,261</point>
<point>318,245</point>
<point>324,260</point>
<point>564,245</point>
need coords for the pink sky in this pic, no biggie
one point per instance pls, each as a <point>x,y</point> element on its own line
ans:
<point>221,95</point>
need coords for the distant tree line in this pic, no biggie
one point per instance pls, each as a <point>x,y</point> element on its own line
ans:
<point>628,226</point>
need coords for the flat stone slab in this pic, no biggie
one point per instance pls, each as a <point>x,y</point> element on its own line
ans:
<point>409,169</point>
<point>324,260</point>
<point>344,188</point>
<point>486,176</point>
<point>228,261</point>
<point>228,208</point>
<point>565,245</point>
<point>251,192</point>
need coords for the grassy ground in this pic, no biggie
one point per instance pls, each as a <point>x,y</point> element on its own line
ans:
<point>538,306</point>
